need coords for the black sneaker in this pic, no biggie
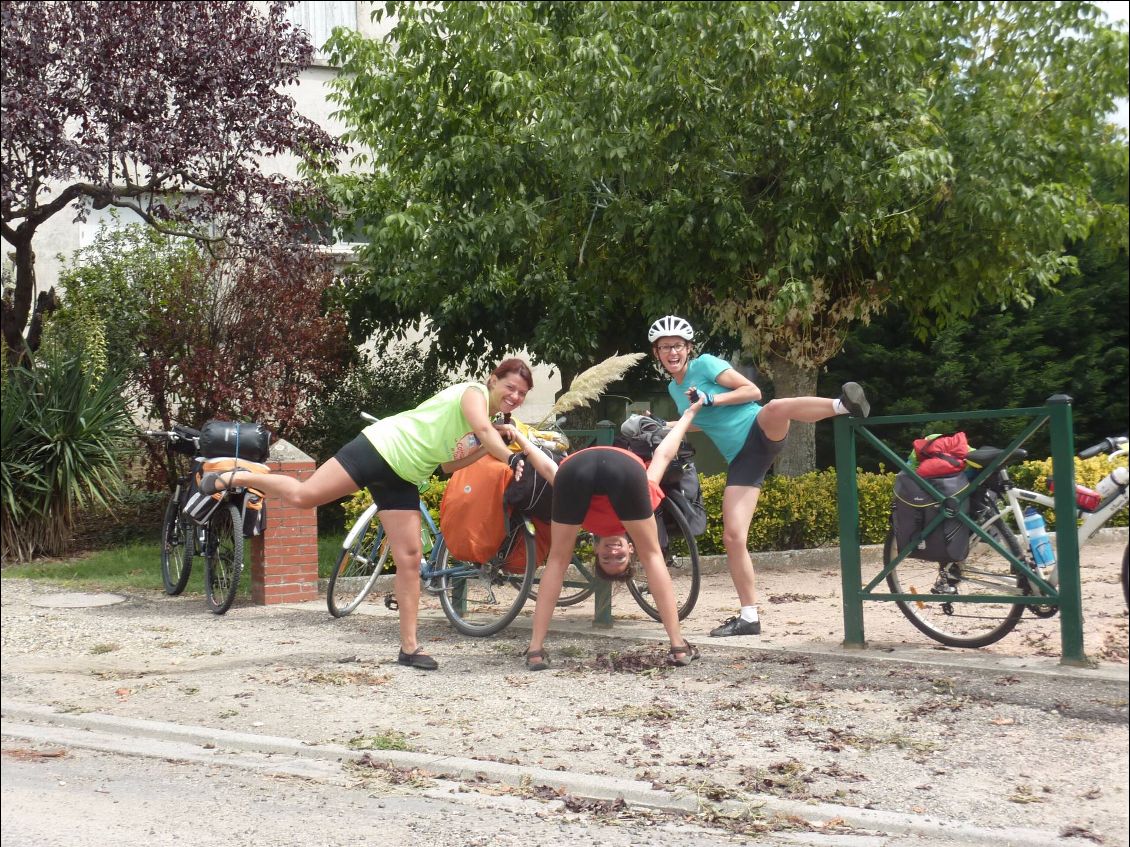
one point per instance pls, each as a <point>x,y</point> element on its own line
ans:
<point>419,660</point>
<point>854,400</point>
<point>737,626</point>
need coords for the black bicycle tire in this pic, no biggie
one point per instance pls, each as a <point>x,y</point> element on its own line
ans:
<point>1007,623</point>
<point>225,520</point>
<point>674,502</point>
<point>449,587</point>
<point>340,569</point>
<point>1126,575</point>
<point>176,525</point>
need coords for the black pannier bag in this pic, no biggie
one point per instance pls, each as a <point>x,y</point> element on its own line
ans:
<point>690,487</point>
<point>914,508</point>
<point>225,438</point>
<point>641,434</point>
<point>532,495</point>
<point>254,513</point>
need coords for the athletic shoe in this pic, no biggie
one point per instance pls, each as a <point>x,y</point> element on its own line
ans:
<point>854,400</point>
<point>737,626</point>
<point>419,660</point>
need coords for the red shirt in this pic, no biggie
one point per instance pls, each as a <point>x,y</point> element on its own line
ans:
<point>601,519</point>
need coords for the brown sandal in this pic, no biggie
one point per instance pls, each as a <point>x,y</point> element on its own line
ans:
<point>682,656</point>
<point>537,660</point>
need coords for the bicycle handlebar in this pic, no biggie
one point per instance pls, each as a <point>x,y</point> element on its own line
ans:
<point>1107,445</point>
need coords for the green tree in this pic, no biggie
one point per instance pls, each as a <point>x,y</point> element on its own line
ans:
<point>542,171</point>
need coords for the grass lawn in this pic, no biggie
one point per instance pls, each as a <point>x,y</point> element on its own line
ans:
<point>137,566</point>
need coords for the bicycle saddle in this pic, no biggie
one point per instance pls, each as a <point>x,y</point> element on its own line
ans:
<point>984,455</point>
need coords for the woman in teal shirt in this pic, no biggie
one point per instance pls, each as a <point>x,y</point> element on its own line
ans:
<point>391,458</point>
<point>749,435</point>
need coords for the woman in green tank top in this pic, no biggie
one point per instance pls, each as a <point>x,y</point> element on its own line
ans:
<point>391,458</point>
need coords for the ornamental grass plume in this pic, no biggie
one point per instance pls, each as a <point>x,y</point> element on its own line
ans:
<point>590,384</point>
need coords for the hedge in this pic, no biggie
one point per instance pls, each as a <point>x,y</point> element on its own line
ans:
<point>795,513</point>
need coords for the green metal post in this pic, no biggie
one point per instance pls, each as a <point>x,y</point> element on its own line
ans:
<point>1066,536</point>
<point>847,496</point>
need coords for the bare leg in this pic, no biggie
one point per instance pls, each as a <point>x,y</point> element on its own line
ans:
<point>739,502</point>
<point>776,415</point>
<point>403,528</point>
<point>562,538</point>
<point>645,537</point>
<point>328,483</point>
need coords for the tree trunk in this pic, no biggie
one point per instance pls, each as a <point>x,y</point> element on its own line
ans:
<point>799,455</point>
<point>17,302</point>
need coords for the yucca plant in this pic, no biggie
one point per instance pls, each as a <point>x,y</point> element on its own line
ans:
<point>65,432</point>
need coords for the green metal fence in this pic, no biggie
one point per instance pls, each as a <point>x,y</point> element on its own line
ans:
<point>1057,414</point>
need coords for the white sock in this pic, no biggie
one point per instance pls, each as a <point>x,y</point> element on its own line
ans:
<point>749,613</point>
<point>838,407</point>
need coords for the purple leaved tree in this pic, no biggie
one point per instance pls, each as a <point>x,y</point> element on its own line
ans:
<point>165,109</point>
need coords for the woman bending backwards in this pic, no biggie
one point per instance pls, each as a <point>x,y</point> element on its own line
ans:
<point>391,458</point>
<point>612,494</point>
<point>749,435</point>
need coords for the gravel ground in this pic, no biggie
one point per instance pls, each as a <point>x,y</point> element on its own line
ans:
<point>1019,743</point>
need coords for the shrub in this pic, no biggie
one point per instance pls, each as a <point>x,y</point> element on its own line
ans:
<point>360,501</point>
<point>800,512</point>
<point>64,436</point>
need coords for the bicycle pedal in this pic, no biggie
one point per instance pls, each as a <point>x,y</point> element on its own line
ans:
<point>390,602</point>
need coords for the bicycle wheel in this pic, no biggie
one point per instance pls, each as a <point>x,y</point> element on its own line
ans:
<point>681,555</point>
<point>223,557</point>
<point>482,600</point>
<point>364,554</point>
<point>176,546</point>
<point>580,581</point>
<point>1126,575</point>
<point>985,572</point>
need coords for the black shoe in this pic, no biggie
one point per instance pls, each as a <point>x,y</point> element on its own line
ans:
<point>210,483</point>
<point>419,660</point>
<point>854,400</point>
<point>737,626</point>
<point>537,660</point>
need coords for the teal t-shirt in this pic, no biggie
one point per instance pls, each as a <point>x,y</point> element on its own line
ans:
<point>726,426</point>
<point>415,442</point>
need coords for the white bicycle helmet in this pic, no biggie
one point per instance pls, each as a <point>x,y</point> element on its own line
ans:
<point>670,325</point>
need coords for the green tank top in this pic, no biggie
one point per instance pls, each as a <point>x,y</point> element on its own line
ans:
<point>415,442</point>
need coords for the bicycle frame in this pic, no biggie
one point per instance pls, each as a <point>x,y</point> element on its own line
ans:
<point>429,536</point>
<point>1092,523</point>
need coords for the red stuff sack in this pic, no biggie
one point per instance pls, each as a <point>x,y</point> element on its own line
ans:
<point>941,455</point>
<point>472,516</point>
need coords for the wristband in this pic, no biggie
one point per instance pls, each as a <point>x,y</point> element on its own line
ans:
<point>707,399</point>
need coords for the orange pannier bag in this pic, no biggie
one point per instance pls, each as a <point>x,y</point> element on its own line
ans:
<point>472,516</point>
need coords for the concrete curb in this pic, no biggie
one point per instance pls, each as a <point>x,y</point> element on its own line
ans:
<point>204,744</point>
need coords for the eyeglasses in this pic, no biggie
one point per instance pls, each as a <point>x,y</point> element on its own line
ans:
<point>671,348</point>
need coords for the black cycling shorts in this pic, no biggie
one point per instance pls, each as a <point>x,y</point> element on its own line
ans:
<point>368,469</point>
<point>754,459</point>
<point>616,475</point>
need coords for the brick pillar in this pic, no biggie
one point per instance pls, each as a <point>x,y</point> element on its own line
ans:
<point>284,559</point>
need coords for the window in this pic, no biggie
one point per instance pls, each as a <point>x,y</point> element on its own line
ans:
<point>320,18</point>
